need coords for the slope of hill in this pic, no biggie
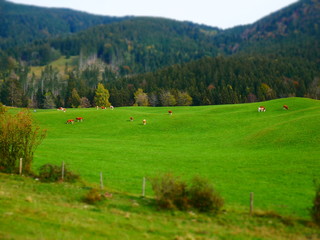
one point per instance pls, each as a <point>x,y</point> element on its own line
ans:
<point>20,24</point>
<point>292,31</point>
<point>142,44</point>
<point>273,154</point>
<point>222,80</point>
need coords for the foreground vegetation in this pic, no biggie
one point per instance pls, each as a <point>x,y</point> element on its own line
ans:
<point>33,210</point>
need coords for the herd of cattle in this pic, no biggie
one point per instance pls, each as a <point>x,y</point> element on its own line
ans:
<point>263,109</point>
<point>144,121</point>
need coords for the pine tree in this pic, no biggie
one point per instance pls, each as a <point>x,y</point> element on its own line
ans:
<point>75,98</point>
<point>49,101</point>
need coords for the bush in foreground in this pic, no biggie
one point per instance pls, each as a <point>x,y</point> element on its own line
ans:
<point>53,173</point>
<point>93,196</point>
<point>19,138</point>
<point>203,197</point>
<point>172,193</point>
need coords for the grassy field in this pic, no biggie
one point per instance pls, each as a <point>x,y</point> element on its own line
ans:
<point>58,64</point>
<point>33,210</point>
<point>274,154</point>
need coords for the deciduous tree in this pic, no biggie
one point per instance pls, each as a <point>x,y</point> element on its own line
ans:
<point>167,99</point>
<point>141,98</point>
<point>101,97</point>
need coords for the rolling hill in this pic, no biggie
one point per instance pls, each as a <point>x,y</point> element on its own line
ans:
<point>273,154</point>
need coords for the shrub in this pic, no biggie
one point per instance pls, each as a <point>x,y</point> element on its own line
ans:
<point>53,173</point>
<point>315,210</point>
<point>170,192</point>
<point>203,197</point>
<point>19,138</point>
<point>93,196</point>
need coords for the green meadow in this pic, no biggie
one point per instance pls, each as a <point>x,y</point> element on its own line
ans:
<point>274,154</point>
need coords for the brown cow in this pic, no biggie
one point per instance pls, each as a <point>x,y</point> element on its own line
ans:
<point>61,109</point>
<point>261,109</point>
<point>285,107</point>
<point>131,119</point>
<point>79,119</point>
<point>70,121</point>
<point>170,112</point>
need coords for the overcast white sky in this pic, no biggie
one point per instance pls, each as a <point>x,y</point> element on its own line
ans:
<point>216,13</point>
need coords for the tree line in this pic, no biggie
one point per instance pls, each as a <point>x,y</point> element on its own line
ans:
<point>220,80</point>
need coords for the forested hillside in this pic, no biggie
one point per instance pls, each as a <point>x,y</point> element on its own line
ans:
<point>137,45</point>
<point>156,61</point>
<point>20,24</point>
<point>292,32</point>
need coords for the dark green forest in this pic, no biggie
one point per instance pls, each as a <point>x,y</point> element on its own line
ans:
<point>156,61</point>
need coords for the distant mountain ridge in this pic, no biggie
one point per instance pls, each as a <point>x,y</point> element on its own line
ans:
<point>21,24</point>
<point>291,31</point>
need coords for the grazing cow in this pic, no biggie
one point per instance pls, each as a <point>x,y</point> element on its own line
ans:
<point>261,109</point>
<point>111,107</point>
<point>131,119</point>
<point>104,108</point>
<point>144,122</point>
<point>61,109</point>
<point>70,121</point>
<point>79,119</point>
<point>170,112</point>
<point>285,107</point>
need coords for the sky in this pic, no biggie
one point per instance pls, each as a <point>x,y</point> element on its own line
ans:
<point>216,13</point>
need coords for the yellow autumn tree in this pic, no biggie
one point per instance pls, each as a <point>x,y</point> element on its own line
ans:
<point>101,97</point>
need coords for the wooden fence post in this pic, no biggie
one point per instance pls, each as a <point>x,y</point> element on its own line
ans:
<point>20,167</point>
<point>101,180</point>
<point>62,171</point>
<point>251,203</point>
<point>143,187</point>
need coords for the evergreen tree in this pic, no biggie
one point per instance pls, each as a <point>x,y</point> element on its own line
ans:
<point>12,94</point>
<point>75,99</point>
<point>40,98</point>
<point>49,101</point>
